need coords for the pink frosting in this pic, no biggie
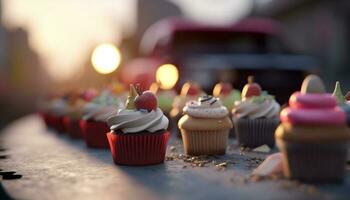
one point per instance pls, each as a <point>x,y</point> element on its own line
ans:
<point>312,100</point>
<point>313,109</point>
<point>313,116</point>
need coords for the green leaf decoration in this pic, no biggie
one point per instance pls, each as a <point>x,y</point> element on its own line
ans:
<point>130,105</point>
<point>338,94</point>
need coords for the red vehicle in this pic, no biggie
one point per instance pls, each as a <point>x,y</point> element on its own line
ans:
<point>209,54</point>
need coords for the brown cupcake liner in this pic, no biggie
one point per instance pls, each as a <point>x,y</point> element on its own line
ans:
<point>255,132</point>
<point>201,142</point>
<point>314,162</point>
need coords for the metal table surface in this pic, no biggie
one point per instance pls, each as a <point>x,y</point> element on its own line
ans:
<point>53,166</point>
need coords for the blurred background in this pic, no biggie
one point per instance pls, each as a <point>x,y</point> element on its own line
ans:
<point>58,45</point>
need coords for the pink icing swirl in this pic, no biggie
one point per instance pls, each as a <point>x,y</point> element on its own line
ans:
<point>313,109</point>
<point>312,100</point>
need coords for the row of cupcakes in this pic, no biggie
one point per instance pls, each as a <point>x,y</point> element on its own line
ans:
<point>138,135</point>
<point>253,114</point>
<point>84,114</point>
<point>313,135</point>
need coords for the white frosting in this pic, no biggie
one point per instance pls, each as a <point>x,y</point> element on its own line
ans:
<point>58,107</point>
<point>99,112</point>
<point>206,107</point>
<point>133,121</point>
<point>180,101</point>
<point>102,107</point>
<point>269,108</point>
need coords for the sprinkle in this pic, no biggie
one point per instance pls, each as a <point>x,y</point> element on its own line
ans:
<point>211,103</point>
<point>206,98</point>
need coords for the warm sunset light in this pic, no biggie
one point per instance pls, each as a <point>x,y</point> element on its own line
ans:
<point>105,58</point>
<point>167,75</point>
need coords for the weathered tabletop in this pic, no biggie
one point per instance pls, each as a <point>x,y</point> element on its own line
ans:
<point>55,167</point>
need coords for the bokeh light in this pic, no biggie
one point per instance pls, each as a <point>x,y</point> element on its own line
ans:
<point>167,75</point>
<point>106,58</point>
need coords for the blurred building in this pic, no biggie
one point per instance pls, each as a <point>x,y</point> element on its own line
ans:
<point>148,12</point>
<point>319,27</point>
<point>21,76</point>
<point>3,56</point>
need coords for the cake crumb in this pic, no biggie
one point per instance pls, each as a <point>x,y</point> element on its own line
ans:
<point>262,149</point>
<point>222,166</point>
<point>172,148</point>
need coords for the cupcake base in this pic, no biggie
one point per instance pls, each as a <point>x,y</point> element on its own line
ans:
<point>57,123</point>
<point>314,162</point>
<point>95,133</point>
<point>46,119</point>
<point>205,142</point>
<point>255,132</point>
<point>73,127</point>
<point>141,148</point>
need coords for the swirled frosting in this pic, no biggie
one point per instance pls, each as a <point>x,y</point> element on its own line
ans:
<point>58,107</point>
<point>206,107</point>
<point>312,118</point>
<point>179,103</point>
<point>133,121</point>
<point>314,108</point>
<point>256,107</point>
<point>99,112</point>
<point>102,107</point>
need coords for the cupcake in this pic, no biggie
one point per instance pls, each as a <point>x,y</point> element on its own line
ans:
<point>255,117</point>
<point>227,94</point>
<point>165,97</point>
<point>75,112</point>
<point>118,90</point>
<point>94,121</point>
<point>205,127</point>
<point>57,109</point>
<point>138,133</point>
<point>189,91</point>
<point>43,107</point>
<point>341,101</point>
<point>313,135</point>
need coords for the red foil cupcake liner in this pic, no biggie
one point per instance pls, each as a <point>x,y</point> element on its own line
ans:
<point>46,119</point>
<point>72,127</point>
<point>95,133</point>
<point>138,149</point>
<point>57,123</point>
